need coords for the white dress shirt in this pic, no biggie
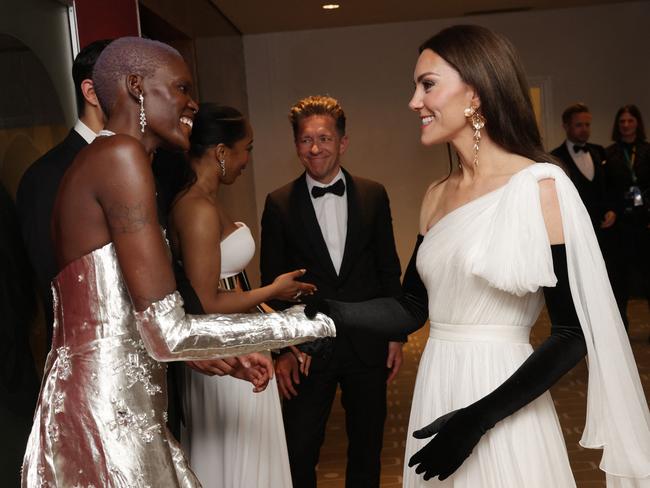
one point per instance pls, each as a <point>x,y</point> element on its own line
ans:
<point>332,215</point>
<point>582,159</point>
<point>84,131</point>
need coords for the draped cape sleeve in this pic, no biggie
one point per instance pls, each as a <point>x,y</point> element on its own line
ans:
<point>617,412</point>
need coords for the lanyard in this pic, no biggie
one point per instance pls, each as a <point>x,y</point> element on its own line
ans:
<point>630,159</point>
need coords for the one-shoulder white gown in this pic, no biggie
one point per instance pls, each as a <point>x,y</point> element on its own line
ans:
<point>484,265</point>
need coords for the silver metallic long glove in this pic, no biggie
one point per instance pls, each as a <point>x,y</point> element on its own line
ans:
<point>171,335</point>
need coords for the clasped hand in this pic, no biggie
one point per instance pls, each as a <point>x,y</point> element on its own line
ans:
<point>456,435</point>
<point>256,368</point>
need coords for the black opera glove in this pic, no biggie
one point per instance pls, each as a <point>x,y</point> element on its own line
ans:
<point>458,432</point>
<point>390,317</point>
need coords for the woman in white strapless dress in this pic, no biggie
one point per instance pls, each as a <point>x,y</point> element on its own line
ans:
<point>233,436</point>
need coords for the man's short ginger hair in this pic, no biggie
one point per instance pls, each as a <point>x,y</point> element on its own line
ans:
<point>317,105</point>
<point>126,56</point>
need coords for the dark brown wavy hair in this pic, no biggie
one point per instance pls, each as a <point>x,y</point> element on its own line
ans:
<point>489,63</point>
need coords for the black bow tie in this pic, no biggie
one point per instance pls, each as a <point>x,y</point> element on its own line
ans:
<point>577,148</point>
<point>337,188</point>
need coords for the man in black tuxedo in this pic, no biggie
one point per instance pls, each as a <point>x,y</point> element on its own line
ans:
<point>584,162</point>
<point>338,227</point>
<point>40,183</point>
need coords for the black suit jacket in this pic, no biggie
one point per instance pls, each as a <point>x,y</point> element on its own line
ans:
<point>35,201</point>
<point>619,175</point>
<point>292,239</point>
<point>594,193</point>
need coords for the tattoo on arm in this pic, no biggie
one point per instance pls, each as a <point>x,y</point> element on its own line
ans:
<point>125,219</point>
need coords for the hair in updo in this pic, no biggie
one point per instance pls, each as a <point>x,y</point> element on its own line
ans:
<point>126,56</point>
<point>489,63</point>
<point>216,124</point>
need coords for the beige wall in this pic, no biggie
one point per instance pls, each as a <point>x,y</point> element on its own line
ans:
<point>222,79</point>
<point>594,54</point>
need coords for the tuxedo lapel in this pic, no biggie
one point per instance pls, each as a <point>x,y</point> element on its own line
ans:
<point>353,227</point>
<point>301,202</point>
<point>574,171</point>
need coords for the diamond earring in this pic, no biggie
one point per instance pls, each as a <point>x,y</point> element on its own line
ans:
<point>143,117</point>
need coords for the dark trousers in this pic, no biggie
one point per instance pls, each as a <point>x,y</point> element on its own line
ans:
<point>363,397</point>
<point>627,255</point>
<point>635,252</point>
<point>610,245</point>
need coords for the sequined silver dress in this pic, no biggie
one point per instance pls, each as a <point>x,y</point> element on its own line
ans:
<point>101,414</point>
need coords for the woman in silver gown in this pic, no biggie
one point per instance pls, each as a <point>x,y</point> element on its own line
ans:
<point>100,419</point>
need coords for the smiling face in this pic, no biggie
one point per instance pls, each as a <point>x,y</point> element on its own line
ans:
<point>168,104</point>
<point>237,157</point>
<point>440,99</point>
<point>320,147</point>
<point>627,126</point>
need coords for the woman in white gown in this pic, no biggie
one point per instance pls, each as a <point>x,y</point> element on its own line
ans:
<point>498,236</point>
<point>233,436</point>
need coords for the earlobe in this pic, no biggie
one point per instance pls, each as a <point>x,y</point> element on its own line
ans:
<point>344,144</point>
<point>88,90</point>
<point>476,100</point>
<point>134,86</point>
<point>220,151</point>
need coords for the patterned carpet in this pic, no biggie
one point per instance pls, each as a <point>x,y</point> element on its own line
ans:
<point>569,395</point>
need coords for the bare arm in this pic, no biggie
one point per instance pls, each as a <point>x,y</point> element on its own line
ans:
<point>129,204</point>
<point>199,237</point>
<point>551,211</point>
<point>128,201</point>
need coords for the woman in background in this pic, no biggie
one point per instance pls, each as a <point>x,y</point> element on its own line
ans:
<point>234,438</point>
<point>628,176</point>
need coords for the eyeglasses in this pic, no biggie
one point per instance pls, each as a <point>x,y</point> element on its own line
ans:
<point>320,141</point>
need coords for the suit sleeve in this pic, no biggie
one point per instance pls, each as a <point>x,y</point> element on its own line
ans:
<point>386,258</point>
<point>273,248</point>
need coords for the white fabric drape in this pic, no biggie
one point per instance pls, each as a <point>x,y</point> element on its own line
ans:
<point>617,412</point>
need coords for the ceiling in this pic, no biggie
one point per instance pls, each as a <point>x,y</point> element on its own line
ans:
<point>258,16</point>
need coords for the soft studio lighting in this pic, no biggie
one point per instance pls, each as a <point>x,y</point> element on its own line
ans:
<point>331,6</point>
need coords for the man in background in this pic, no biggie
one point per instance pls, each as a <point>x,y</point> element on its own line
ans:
<point>40,183</point>
<point>584,163</point>
<point>339,228</point>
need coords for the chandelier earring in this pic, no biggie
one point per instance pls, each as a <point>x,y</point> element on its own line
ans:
<point>477,122</point>
<point>143,117</point>
<point>222,165</point>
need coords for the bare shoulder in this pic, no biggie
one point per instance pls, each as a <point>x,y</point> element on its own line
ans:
<point>430,202</point>
<point>119,160</point>
<point>551,210</point>
<point>123,150</point>
<point>193,213</point>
